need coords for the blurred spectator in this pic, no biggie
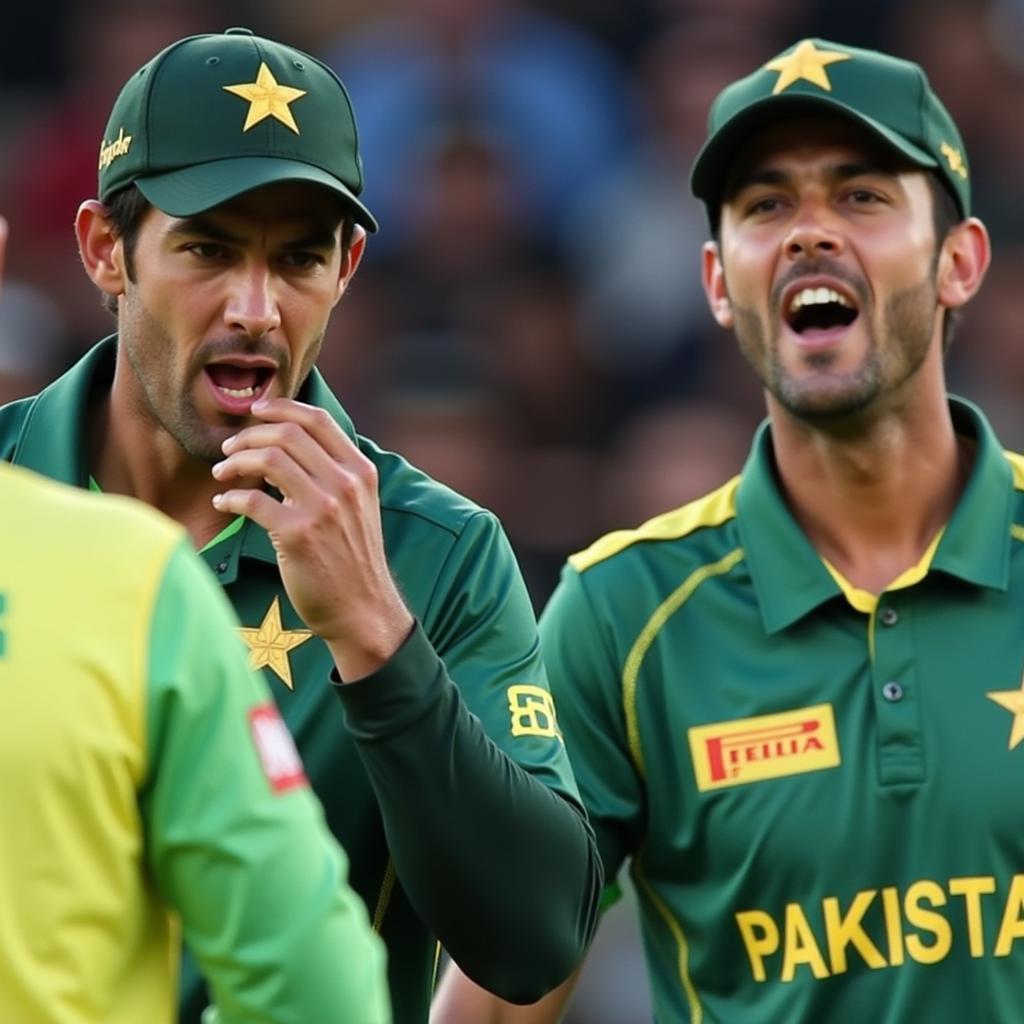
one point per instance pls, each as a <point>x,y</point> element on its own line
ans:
<point>634,240</point>
<point>554,101</point>
<point>32,340</point>
<point>669,456</point>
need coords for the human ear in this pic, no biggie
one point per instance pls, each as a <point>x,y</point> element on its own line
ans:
<point>101,248</point>
<point>713,279</point>
<point>351,260</point>
<point>963,261</point>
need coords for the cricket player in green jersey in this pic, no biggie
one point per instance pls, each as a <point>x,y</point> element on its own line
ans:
<point>148,785</point>
<point>227,228</point>
<point>797,705</point>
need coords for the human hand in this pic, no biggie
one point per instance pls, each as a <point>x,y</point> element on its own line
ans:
<point>326,530</point>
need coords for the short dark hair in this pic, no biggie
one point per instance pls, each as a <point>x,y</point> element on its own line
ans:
<point>128,206</point>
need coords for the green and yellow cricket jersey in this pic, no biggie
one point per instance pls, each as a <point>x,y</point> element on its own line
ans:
<point>443,775</point>
<point>144,770</point>
<point>817,788</point>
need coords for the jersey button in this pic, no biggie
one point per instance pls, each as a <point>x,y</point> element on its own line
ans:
<point>892,691</point>
<point>222,567</point>
<point>889,616</point>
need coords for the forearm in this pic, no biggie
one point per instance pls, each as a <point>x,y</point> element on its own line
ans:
<point>503,869</point>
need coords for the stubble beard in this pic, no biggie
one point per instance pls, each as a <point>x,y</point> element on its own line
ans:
<point>169,402</point>
<point>834,399</point>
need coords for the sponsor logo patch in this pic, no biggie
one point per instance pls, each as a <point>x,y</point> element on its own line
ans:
<point>765,747</point>
<point>276,748</point>
<point>533,712</point>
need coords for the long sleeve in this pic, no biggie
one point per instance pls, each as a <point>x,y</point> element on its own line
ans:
<point>235,839</point>
<point>459,738</point>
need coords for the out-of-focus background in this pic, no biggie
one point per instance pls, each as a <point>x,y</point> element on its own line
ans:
<point>528,326</point>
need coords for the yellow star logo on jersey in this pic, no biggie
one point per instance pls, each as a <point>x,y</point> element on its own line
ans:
<point>269,644</point>
<point>1013,701</point>
<point>267,98</point>
<point>805,63</point>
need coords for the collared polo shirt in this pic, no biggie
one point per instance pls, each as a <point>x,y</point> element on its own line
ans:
<point>407,746</point>
<point>819,803</point>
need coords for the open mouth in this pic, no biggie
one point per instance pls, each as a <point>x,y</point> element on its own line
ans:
<point>819,309</point>
<point>236,383</point>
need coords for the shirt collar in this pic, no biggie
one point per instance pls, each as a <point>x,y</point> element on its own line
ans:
<point>788,573</point>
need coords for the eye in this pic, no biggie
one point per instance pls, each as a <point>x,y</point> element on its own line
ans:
<point>863,197</point>
<point>207,250</point>
<point>302,260</point>
<point>763,205</point>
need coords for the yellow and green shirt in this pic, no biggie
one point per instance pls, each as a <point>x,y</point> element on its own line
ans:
<point>148,786</point>
<point>817,791</point>
<point>443,775</point>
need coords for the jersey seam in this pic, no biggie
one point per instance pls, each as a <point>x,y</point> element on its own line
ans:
<point>645,640</point>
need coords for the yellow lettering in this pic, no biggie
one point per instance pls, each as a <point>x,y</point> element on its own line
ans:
<point>532,711</point>
<point>843,931</point>
<point>1013,924</point>
<point>801,946</point>
<point>972,889</point>
<point>760,937</point>
<point>893,924</point>
<point>929,921</point>
<point>109,153</point>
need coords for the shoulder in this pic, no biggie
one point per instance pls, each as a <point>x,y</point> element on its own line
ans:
<point>677,533</point>
<point>96,533</point>
<point>412,497</point>
<point>13,418</point>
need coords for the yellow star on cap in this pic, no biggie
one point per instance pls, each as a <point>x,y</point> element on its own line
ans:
<point>1012,700</point>
<point>270,643</point>
<point>267,98</point>
<point>805,63</point>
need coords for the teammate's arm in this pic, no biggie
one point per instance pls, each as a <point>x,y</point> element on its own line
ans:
<point>235,839</point>
<point>460,1001</point>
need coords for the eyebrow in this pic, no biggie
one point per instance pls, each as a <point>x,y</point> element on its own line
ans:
<point>839,172</point>
<point>317,238</point>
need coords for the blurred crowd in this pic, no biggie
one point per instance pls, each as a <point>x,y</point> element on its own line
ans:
<point>528,325</point>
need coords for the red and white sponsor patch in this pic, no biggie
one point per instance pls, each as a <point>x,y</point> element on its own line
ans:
<point>276,748</point>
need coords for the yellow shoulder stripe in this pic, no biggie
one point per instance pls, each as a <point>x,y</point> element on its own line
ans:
<point>712,510</point>
<point>1017,465</point>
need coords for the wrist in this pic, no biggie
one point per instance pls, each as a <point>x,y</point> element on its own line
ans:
<point>360,655</point>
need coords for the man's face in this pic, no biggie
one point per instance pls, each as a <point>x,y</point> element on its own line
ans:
<point>229,306</point>
<point>826,264</point>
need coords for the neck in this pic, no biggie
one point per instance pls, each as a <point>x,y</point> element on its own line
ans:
<point>871,501</point>
<point>133,455</point>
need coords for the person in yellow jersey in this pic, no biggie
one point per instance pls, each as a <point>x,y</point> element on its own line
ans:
<point>146,778</point>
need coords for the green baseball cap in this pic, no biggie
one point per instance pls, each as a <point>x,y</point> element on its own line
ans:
<point>213,116</point>
<point>889,97</point>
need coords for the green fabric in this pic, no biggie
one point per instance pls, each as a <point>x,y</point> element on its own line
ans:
<point>185,164</point>
<point>279,935</point>
<point>521,916</point>
<point>888,887</point>
<point>891,98</point>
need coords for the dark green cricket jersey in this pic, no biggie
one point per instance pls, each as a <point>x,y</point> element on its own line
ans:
<point>818,789</point>
<point>447,837</point>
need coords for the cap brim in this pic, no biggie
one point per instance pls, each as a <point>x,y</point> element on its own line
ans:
<point>192,190</point>
<point>711,168</point>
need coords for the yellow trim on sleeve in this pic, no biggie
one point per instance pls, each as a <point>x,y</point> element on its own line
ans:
<point>643,642</point>
<point>696,1010</point>
<point>1017,532</point>
<point>1017,465</point>
<point>712,510</point>
<point>384,897</point>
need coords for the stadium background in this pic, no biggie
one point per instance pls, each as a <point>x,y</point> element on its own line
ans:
<point>528,325</point>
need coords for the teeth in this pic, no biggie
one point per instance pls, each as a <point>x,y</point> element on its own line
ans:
<point>238,392</point>
<point>817,297</point>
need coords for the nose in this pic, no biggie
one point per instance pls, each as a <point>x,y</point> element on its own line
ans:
<point>252,305</point>
<point>814,232</point>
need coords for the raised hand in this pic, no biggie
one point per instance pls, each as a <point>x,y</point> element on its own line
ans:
<point>326,530</point>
